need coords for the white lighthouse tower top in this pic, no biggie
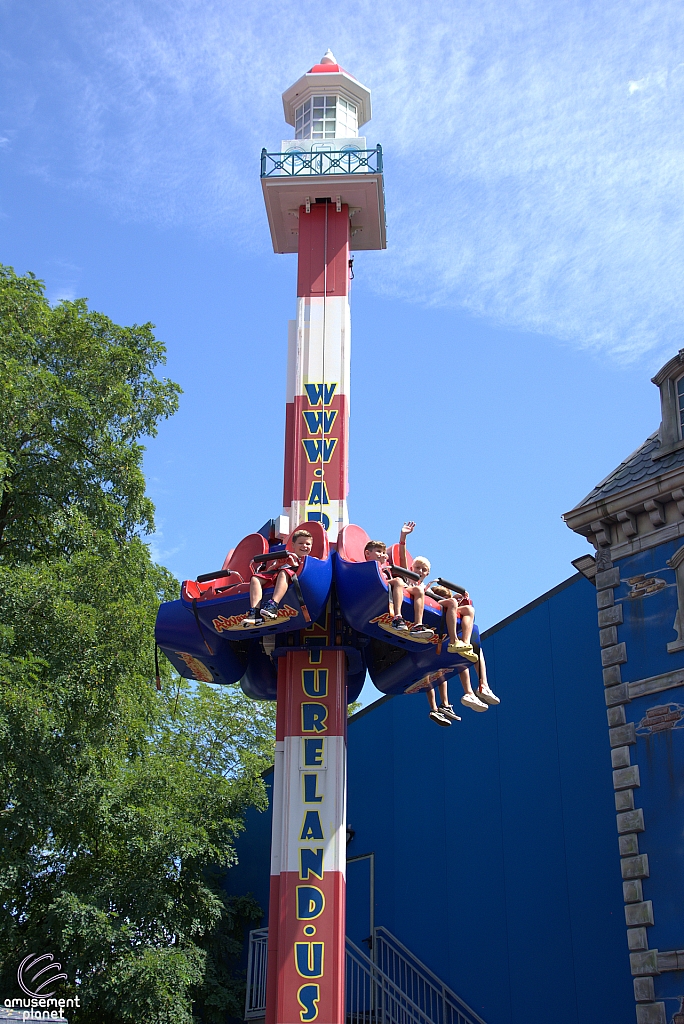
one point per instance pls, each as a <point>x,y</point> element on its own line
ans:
<point>327,102</point>
<point>326,161</point>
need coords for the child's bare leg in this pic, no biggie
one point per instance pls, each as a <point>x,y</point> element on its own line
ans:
<point>464,676</point>
<point>451,608</point>
<point>255,592</point>
<point>481,670</point>
<point>483,690</point>
<point>280,589</point>
<point>443,692</point>
<point>418,595</point>
<point>397,597</point>
<point>430,694</point>
<point>467,621</point>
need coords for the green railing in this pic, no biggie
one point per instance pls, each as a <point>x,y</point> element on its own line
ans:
<point>301,163</point>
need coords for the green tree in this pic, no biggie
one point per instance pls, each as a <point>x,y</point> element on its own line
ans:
<point>119,805</point>
<point>77,392</point>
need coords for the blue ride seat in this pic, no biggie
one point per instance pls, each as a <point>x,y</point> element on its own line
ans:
<point>396,664</point>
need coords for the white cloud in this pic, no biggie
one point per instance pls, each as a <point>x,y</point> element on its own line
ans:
<point>533,154</point>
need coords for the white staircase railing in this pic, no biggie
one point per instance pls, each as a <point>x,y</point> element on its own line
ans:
<point>393,988</point>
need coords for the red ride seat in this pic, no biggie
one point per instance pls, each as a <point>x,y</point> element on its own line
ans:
<point>237,562</point>
<point>351,540</point>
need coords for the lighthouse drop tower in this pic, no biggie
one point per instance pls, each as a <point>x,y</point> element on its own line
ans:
<point>324,196</point>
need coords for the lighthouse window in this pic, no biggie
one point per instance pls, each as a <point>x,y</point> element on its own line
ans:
<point>303,121</point>
<point>680,405</point>
<point>346,119</point>
<point>324,117</point>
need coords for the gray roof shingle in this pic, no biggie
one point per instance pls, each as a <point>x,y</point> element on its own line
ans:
<point>638,466</point>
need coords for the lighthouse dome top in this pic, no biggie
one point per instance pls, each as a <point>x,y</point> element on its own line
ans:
<point>328,89</point>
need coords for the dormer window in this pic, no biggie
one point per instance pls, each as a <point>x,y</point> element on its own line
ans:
<point>326,117</point>
<point>680,405</point>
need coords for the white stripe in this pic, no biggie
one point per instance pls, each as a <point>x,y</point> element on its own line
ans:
<point>277,809</point>
<point>331,785</point>
<point>309,342</point>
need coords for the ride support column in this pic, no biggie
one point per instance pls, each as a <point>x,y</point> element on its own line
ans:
<point>318,367</point>
<point>306,940</point>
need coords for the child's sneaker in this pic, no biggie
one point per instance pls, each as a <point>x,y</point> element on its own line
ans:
<point>439,718</point>
<point>252,618</point>
<point>269,610</point>
<point>448,712</point>
<point>471,701</point>
<point>421,632</point>
<point>398,623</point>
<point>487,696</point>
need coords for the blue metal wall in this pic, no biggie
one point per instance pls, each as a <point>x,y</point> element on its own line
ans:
<point>495,845</point>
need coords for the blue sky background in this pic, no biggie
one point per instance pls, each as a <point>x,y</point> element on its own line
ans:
<point>532,283</point>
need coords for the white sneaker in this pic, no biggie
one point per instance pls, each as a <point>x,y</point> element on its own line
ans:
<point>471,701</point>
<point>448,712</point>
<point>487,696</point>
<point>439,718</point>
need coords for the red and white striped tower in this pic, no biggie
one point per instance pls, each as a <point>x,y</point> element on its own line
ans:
<point>324,197</point>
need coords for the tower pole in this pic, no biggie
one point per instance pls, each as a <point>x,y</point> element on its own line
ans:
<point>317,412</point>
<point>306,941</point>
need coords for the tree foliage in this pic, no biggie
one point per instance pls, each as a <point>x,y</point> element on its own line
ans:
<point>119,805</point>
<point>77,392</point>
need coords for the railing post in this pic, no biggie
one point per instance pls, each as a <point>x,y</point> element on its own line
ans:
<point>379,152</point>
<point>263,162</point>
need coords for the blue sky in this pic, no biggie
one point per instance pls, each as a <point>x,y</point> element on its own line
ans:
<point>502,344</point>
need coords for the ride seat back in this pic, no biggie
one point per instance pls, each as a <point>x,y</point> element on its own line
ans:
<point>241,557</point>
<point>393,555</point>
<point>320,546</point>
<point>351,540</point>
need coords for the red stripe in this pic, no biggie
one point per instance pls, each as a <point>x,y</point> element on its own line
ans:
<point>329,930</point>
<point>271,976</point>
<point>335,701</point>
<point>304,474</point>
<point>312,249</point>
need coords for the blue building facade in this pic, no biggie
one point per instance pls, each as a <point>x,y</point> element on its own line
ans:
<point>533,856</point>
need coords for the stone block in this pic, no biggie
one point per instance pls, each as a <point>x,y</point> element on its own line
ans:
<point>612,676</point>
<point>631,821</point>
<point>644,991</point>
<point>617,695</point>
<point>615,655</point>
<point>605,599</point>
<point>637,914</point>
<point>626,778</point>
<point>619,758</point>
<point>633,892</point>
<point>634,867</point>
<point>608,578</point>
<point>610,616</point>
<point>644,963</point>
<point>608,637</point>
<point>671,960</point>
<point>624,800</point>
<point>637,939</point>
<point>616,716</point>
<point>623,735</point>
<point>629,846</point>
<point>651,1013</point>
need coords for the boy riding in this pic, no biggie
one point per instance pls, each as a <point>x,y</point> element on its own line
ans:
<point>278,573</point>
